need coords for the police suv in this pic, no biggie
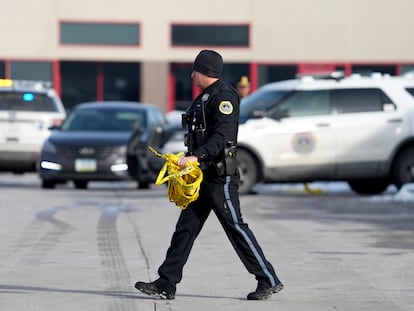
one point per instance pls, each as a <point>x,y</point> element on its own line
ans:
<point>27,110</point>
<point>329,128</point>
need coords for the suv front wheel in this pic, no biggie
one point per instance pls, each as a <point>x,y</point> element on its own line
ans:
<point>248,171</point>
<point>403,169</point>
<point>369,186</point>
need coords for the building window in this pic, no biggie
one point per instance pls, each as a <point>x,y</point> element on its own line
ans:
<point>183,87</point>
<point>121,81</point>
<point>367,70</point>
<point>2,70</point>
<point>79,83</point>
<point>31,71</point>
<point>273,73</point>
<point>405,69</point>
<point>91,81</point>
<point>210,35</point>
<point>99,34</point>
<point>232,72</point>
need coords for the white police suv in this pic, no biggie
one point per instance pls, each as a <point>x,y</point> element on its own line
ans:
<point>27,110</point>
<point>329,128</point>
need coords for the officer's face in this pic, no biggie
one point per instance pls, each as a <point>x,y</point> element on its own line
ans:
<point>197,77</point>
<point>201,80</point>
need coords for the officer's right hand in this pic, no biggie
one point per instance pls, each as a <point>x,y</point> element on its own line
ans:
<point>184,161</point>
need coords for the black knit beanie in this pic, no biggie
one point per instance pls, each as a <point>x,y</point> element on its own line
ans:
<point>209,63</point>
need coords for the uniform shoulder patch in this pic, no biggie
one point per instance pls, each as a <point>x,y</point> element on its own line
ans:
<point>226,107</point>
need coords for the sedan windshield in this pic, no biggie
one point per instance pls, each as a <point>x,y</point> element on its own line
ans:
<point>104,120</point>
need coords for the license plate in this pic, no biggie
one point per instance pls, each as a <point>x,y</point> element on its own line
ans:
<point>85,165</point>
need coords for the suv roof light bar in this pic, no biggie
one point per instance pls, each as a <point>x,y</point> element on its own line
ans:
<point>334,75</point>
<point>33,84</point>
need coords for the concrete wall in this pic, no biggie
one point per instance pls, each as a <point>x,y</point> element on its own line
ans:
<point>154,83</point>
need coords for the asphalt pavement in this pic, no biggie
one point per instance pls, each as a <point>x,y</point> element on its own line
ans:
<point>68,249</point>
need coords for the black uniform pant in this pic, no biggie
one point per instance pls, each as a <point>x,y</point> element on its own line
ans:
<point>219,194</point>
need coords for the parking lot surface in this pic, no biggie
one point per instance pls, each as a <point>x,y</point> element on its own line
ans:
<point>68,249</point>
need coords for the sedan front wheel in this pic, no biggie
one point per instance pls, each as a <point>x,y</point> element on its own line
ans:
<point>80,184</point>
<point>48,184</point>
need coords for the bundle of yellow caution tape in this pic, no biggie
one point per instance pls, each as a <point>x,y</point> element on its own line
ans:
<point>183,182</point>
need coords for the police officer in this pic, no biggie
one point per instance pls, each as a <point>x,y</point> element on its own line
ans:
<point>243,87</point>
<point>212,122</point>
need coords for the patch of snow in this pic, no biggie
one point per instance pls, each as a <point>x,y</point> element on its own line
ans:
<point>405,194</point>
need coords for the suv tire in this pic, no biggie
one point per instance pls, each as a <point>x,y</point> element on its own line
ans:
<point>248,171</point>
<point>369,186</point>
<point>403,169</point>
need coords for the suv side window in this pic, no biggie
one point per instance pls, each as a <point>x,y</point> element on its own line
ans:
<point>305,103</point>
<point>360,100</point>
<point>410,90</point>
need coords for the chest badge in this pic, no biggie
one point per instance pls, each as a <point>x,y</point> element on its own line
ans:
<point>205,97</point>
<point>226,107</point>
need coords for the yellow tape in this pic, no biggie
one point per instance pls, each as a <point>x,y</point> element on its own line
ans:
<point>183,182</point>
<point>312,191</point>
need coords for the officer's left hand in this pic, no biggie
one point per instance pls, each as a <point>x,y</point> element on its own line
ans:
<point>184,161</point>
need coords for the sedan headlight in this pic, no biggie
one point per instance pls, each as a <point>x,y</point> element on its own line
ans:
<point>50,166</point>
<point>120,164</point>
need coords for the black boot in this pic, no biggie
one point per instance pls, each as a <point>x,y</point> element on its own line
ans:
<point>153,289</point>
<point>264,291</point>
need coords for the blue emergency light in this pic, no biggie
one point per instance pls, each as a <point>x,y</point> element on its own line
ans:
<point>28,97</point>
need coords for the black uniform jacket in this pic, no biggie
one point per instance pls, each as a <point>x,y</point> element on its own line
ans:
<point>222,108</point>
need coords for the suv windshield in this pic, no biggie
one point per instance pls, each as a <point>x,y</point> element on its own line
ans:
<point>104,120</point>
<point>26,101</point>
<point>262,100</point>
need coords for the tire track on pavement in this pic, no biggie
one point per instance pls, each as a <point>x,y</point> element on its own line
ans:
<point>33,244</point>
<point>115,271</point>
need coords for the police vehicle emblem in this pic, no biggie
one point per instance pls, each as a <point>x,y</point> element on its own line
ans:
<point>226,107</point>
<point>303,142</point>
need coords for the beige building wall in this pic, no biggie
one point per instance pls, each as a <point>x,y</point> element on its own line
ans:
<point>154,83</point>
<point>294,30</point>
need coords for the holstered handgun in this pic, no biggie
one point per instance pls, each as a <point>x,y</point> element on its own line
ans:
<point>228,166</point>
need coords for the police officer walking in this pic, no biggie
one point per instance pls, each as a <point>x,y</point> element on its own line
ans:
<point>212,121</point>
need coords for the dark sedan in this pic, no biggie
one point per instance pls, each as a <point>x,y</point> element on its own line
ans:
<point>91,144</point>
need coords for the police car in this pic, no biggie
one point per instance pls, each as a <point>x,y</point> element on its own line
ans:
<point>329,128</point>
<point>27,110</point>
